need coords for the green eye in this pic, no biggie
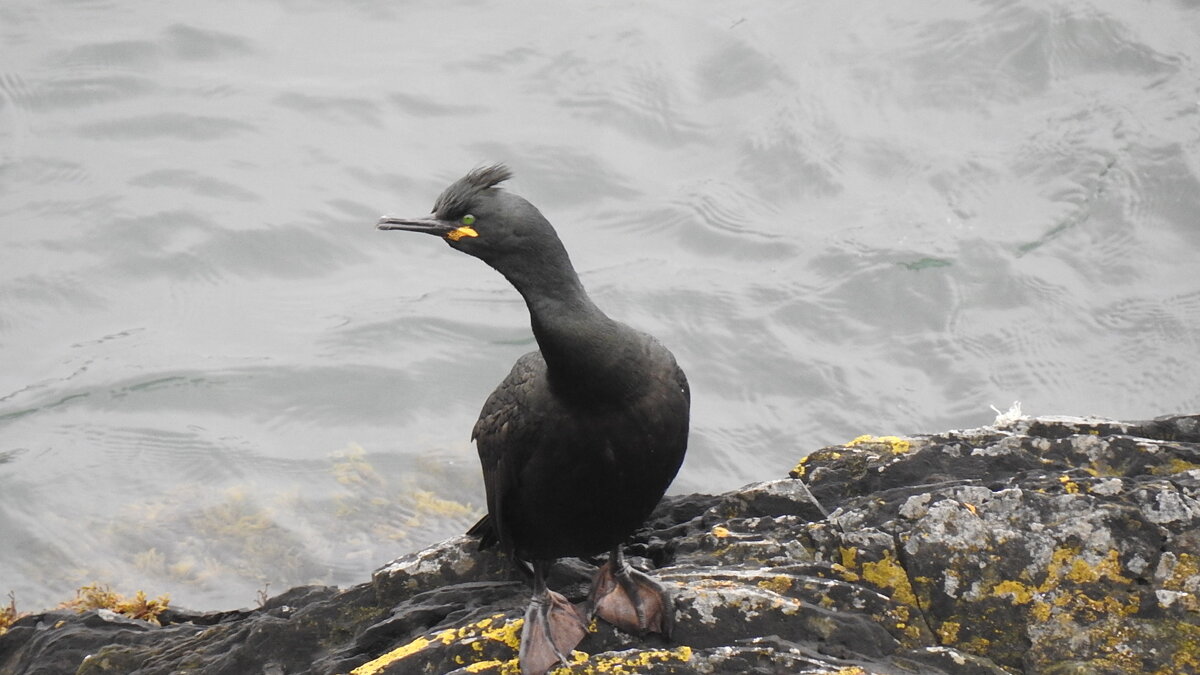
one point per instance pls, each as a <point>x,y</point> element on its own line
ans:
<point>468,219</point>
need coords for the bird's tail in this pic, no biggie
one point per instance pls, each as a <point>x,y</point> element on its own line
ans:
<point>486,531</point>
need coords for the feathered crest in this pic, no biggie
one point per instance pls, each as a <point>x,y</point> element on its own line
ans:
<point>452,204</point>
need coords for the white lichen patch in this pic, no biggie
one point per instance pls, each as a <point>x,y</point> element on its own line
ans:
<point>1137,564</point>
<point>432,560</point>
<point>1005,446</point>
<point>749,601</point>
<point>950,523</point>
<point>916,506</point>
<point>950,583</point>
<point>952,449</point>
<point>1167,598</point>
<point>1149,447</point>
<point>1108,487</point>
<point>976,495</point>
<point>869,538</point>
<point>1095,447</point>
<point>1170,507</point>
<point>1085,524</point>
<point>789,488</point>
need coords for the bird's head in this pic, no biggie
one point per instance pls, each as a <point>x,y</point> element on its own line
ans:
<point>476,217</point>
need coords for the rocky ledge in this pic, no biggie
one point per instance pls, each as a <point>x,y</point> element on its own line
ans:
<point>1038,545</point>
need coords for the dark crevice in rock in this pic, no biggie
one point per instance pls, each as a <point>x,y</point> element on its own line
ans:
<point>902,559</point>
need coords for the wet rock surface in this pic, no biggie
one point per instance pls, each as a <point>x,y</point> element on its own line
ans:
<point>1039,545</point>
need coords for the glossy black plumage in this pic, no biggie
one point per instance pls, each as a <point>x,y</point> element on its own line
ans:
<point>582,438</point>
<point>574,473</point>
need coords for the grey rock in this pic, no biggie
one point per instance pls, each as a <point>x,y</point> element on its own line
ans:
<point>1041,545</point>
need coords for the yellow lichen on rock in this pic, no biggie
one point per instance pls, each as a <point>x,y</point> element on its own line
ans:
<point>1069,485</point>
<point>1173,466</point>
<point>779,584</point>
<point>890,574</point>
<point>1040,611</point>
<point>377,665</point>
<point>1182,572</point>
<point>628,663</point>
<point>902,616</point>
<point>799,470</point>
<point>824,455</point>
<point>508,632</point>
<point>847,568</point>
<point>494,628</point>
<point>1066,564</point>
<point>1082,572</point>
<point>490,665</point>
<point>948,632</point>
<point>1021,593</point>
<point>1080,601</point>
<point>894,444</point>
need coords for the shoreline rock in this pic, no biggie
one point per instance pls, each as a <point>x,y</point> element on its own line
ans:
<point>1040,545</point>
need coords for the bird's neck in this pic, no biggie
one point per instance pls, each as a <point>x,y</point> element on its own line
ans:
<point>584,350</point>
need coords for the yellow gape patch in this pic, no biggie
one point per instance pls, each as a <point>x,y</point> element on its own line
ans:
<point>464,231</point>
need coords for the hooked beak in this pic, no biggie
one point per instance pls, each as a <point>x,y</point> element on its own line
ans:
<point>442,228</point>
<point>428,225</point>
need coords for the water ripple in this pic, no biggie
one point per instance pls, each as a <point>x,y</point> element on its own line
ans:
<point>194,182</point>
<point>183,126</point>
<point>196,44</point>
<point>842,220</point>
<point>335,109</point>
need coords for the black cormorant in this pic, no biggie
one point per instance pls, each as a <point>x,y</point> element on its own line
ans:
<point>580,441</point>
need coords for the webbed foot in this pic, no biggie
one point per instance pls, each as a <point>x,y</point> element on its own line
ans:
<point>553,626</point>
<point>631,600</point>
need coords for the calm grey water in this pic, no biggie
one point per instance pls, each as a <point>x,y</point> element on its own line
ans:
<point>844,218</point>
